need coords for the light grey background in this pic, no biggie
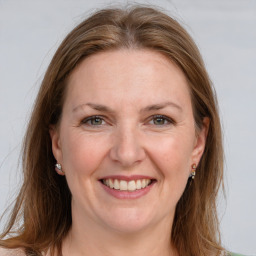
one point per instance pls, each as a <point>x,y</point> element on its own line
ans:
<point>225,31</point>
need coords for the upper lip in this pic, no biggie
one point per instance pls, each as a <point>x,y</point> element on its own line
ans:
<point>127,178</point>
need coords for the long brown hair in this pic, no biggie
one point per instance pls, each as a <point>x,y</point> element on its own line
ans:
<point>41,216</point>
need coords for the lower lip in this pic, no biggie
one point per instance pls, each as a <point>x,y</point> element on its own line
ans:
<point>127,194</point>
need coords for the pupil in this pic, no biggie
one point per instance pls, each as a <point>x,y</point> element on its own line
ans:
<point>96,121</point>
<point>159,121</point>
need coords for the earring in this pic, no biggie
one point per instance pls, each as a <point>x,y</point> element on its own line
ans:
<point>58,168</point>
<point>193,173</point>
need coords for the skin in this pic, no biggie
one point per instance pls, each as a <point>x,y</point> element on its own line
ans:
<point>127,139</point>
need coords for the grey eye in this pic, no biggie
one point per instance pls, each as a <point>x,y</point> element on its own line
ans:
<point>159,121</point>
<point>93,121</point>
<point>96,121</point>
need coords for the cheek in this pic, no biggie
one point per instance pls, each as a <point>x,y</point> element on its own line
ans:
<point>82,154</point>
<point>171,158</point>
<point>172,154</point>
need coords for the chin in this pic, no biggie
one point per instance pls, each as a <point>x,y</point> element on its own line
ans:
<point>127,220</point>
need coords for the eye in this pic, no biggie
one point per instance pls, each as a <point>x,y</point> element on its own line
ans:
<point>161,120</point>
<point>93,121</point>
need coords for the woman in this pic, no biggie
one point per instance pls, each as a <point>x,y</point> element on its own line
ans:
<point>123,153</point>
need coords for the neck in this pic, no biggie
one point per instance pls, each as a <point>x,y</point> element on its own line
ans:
<point>100,241</point>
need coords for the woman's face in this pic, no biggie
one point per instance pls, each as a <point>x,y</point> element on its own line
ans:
<point>126,140</point>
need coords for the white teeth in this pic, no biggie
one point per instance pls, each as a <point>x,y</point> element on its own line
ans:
<point>143,183</point>
<point>131,185</point>
<point>116,184</point>
<point>124,185</point>
<point>138,184</point>
<point>111,184</point>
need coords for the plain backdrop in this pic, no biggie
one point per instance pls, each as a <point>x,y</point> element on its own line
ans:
<point>225,31</point>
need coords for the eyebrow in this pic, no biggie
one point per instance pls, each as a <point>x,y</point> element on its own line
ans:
<point>103,108</point>
<point>161,106</point>
<point>97,107</point>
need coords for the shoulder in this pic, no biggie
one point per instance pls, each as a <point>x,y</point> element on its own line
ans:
<point>11,252</point>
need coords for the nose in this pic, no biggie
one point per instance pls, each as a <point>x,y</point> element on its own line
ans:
<point>127,147</point>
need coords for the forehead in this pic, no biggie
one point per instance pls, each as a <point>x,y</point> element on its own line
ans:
<point>129,75</point>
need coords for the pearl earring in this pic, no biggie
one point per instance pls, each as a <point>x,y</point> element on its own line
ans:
<point>58,168</point>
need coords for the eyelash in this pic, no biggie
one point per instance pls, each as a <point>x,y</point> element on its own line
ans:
<point>167,120</point>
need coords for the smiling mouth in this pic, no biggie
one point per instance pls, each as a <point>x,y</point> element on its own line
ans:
<point>123,185</point>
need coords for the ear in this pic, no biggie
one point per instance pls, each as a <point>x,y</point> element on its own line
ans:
<point>56,145</point>
<point>200,141</point>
